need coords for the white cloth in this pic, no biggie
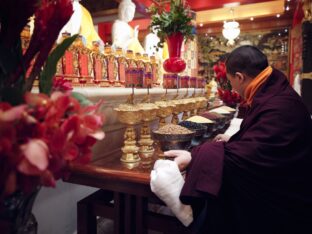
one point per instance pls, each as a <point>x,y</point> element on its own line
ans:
<point>297,84</point>
<point>166,183</point>
<point>234,126</point>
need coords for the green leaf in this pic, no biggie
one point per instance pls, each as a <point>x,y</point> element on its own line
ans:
<point>49,70</point>
<point>81,99</point>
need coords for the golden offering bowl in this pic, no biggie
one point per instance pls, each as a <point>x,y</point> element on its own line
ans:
<point>179,105</point>
<point>164,112</point>
<point>197,102</point>
<point>178,108</point>
<point>148,111</point>
<point>130,116</point>
<point>164,109</point>
<point>186,105</point>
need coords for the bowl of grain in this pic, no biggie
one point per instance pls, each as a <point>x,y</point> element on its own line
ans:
<point>198,128</point>
<point>210,124</point>
<point>173,136</point>
<point>218,118</point>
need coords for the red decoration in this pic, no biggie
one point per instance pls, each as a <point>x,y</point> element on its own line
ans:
<point>226,94</point>
<point>174,63</point>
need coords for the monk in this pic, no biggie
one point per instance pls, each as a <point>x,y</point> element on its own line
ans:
<point>259,181</point>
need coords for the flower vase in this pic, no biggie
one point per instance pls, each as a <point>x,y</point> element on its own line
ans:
<point>174,64</point>
<point>15,213</point>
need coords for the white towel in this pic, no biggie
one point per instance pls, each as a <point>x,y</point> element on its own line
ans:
<point>167,183</point>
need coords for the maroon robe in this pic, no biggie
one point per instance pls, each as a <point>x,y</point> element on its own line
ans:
<point>261,180</point>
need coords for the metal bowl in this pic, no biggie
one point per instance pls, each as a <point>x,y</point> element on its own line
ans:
<point>173,141</point>
<point>198,128</point>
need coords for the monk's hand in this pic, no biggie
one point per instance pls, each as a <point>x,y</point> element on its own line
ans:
<point>181,157</point>
<point>222,137</point>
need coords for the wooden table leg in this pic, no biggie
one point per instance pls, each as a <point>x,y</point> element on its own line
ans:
<point>141,210</point>
<point>130,214</point>
<point>119,213</point>
<point>86,221</point>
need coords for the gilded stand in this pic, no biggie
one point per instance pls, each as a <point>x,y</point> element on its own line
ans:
<point>130,115</point>
<point>177,108</point>
<point>165,110</point>
<point>149,112</point>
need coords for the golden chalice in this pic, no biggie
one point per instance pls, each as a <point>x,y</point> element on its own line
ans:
<point>203,104</point>
<point>165,110</point>
<point>197,105</point>
<point>186,108</point>
<point>148,114</point>
<point>192,106</point>
<point>177,109</point>
<point>130,115</point>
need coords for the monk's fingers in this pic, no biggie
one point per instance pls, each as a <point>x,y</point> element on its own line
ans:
<point>175,153</point>
<point>217,137</point>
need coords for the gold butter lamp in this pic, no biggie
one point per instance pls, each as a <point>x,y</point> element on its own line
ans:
<point>177,109</point>
<point>164,111</point>
<point>148,114</point>
<point>129,115</point>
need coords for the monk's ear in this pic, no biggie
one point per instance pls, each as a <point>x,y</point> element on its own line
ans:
<point>240,77</point>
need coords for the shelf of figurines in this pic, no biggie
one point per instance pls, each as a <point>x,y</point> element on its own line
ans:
<point>190,123</point>
<point>91,67</point>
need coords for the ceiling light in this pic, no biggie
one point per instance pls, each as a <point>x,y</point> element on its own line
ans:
<point>286,30</point>
<point>251,18</point>
<point>201,25</point>
<point>231,30</point>
<point>287,8</point>
<point>288,0</point>
<point>279,34</point>
<point>278,15</point>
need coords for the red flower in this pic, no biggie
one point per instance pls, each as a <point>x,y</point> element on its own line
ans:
<point>61,84</point>
<point>226,94</point>
<point>38,139</point>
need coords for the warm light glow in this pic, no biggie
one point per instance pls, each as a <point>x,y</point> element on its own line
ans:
<point>201,25</point>
<point>245,11</point>
<point>278,15</point>
<point>251,18</point>
<point>231,31</point>
<point>287,8</point>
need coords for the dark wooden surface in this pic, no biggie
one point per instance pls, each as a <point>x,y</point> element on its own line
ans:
<point>124,197</point>
<point>110,173</point>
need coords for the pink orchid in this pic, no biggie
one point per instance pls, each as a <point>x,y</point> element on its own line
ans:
<point>36,157</point>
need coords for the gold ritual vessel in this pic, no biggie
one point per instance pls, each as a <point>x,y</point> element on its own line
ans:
<point>177,109</point>
<point>148,114</point>
<point>130,115</point>
<point>164,111</point>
